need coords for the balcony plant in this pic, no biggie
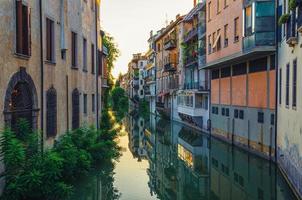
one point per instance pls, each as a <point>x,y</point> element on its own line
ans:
<point>283,19</point>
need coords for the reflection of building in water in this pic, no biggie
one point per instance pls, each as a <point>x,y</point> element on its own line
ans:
<point>136,137</point>
<point>194,166</point>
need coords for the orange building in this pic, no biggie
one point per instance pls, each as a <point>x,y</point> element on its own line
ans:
<point>241,58</point>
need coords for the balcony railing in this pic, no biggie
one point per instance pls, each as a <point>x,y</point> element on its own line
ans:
<point>190,60</point>
<point>170,67</point>
<point>201,86</point>
<point>291,33</point>
<point>170,44</point>
<point>191,34</point>
<point>258,40</point>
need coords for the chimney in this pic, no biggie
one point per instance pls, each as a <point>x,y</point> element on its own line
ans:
<point>195,2</point>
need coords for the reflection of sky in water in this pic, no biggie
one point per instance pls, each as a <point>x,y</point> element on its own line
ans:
<point>131,177</point>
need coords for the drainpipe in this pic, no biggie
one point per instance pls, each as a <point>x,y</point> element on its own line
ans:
<point>97,64</point>
<point>41,75</point>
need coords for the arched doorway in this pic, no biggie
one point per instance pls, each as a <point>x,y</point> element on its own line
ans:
<point>21,101</point>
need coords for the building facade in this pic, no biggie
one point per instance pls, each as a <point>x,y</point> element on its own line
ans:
<point>241,58</point>
<point>289,139</point>
<point>49,65</point>
<point>167,47</point>
<point>193,96</point>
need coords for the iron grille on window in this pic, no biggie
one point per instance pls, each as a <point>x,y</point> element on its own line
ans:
<point>75,109</point>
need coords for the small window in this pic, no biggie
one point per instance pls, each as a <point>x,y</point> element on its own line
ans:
<point>215,74</point>
<point>236,29</point>
<point>217,110</point>
<point>260,117</point>
<point>258,65</point>
<point>142,92</point>
<point>226,34</point>
<point>23,29</point>
<point>287,86</point>
<point>223,111</point>
<point>225,72</point>
<point>92,59</point>
<point>51,112</point>
<point>239,69</point>
<point>74,46</point>
<point>93,102</point>
<point>227,112</point>
<point>85,103</point>
<point>213,110</point>
<point>272,119</point>
<point>236,114</point>
<point>241,114</point>
<point>84,54</point>
<point>209,11</point>
<point>273,62</point>
<point>294,93</point>
<point>50,40</point>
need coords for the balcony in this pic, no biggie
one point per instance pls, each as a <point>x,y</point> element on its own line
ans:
<point>150,79</point>
<point>170,44</point>
<point>191,34</point>
<point>162,110</point>
<point>258,40</point>
<point>191,60</point>
<point>291,33</point>
<point>135,84</point>
<point>200,86</point>
<point>170,67</point>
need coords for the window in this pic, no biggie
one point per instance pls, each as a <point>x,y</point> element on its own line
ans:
<point>241,114</point>
<point>85,103</point>
<point>239,69</point>
<point>260,117</point>
<point>50,40</point>
<point>223,112</point>
<point>287,85</point>
<point>23,29</point>
<point>226,38</point>
<point>273,62</point>
<point>75,109</point>
<point>236,29</point>
<point>225,72</point>
<point>236,113</point>
<point>215,74</point>
<point>51,113</point>
<point>218,45</point>
<point>209,11</point>
<point>74,49</point>
<point>93,102</point>
<point>227,112</point>
<point>210,44</point>
<point>218,6</point>
<point>280,85</point>
<point>213,41</point>
<point>92,59</point>
<point>142,92</point>
<point>248,21</point>
<point>84,54</point>
<point>294,84</point>
<point>258,65</point>
<point>100,63</point>
<point>272,119</point>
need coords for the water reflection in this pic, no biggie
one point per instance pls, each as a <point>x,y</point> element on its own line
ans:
<point>168,161</point>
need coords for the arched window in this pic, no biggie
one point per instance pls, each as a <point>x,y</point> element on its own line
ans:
<point>75,109</point>
<point>51,112</point>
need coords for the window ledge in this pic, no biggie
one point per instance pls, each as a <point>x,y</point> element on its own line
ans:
<point>21,56</point>
<point>50,62</point>
<point>74,68</point>
<point>294,107</point>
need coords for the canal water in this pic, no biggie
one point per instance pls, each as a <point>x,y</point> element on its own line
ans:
<point>168,161</point>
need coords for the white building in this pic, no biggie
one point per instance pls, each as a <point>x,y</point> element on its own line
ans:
<point>289,106</point>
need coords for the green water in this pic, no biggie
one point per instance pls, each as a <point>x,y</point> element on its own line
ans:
<point>167,161</point>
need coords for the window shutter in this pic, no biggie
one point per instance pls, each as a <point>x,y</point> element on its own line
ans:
<point>29,30</point>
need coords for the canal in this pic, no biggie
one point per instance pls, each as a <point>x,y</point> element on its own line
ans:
<point>168,161</point>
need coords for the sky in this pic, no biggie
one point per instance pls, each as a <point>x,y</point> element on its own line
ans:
<point>130,23</point>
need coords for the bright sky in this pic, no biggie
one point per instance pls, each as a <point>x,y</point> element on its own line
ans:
<point>130,23</point>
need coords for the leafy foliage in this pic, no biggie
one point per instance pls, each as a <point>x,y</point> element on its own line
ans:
<point>33,174</point>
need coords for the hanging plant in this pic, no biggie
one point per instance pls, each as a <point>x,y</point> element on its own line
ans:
<point>292,4</point>
<point>283,19</point>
